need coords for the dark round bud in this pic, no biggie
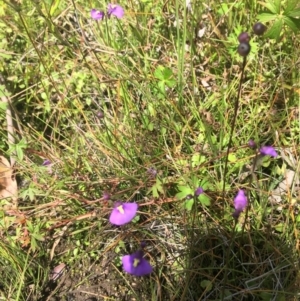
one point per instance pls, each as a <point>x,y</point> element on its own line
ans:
<point>100,114</point>
<point>259,28</point>
<point>244,49</point>
<point>244,37</point>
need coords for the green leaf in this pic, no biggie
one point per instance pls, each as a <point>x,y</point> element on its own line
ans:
<point>33,244</point>
<point>150,126</point>
<point>277,4</point>
<point>184,192</point>
<point>185,189</point>
<point>275,30</point>
<point>280,227</point>
<point>223,10</point>
<point>3,105</point>
<point>161,86</point>
<point>197,160</point>
<point>232,158</point>
<point>167,73</point>
<point>266,17</point>
<point>204,184</point>
<point>171,83</point>
<point>290,6</point>
<point>204,199</point>
<point>158,73</point>
<point>270,6</point>
<point>206,284</point>
<point>289,22</point>
<point>151,109</point>
<point>38,236</point>
<point>294,13</point>
<point>54,7</point>
<point>297,23</point>
<point>194,181</point>
<point>19,152</point>
<point>157,188</point>
<point>189,204</point>
<point>266,161</point>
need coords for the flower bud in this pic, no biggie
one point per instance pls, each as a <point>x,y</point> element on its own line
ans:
<point>244,49</point>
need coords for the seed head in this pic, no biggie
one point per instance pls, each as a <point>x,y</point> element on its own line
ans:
<point>259,28</point>
<point>244,49</point>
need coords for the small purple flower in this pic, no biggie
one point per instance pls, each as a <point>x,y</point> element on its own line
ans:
<point>123,213</point>
<point>106,196</point>
<point>100,114</point>
<point>46,162</point>
<point>116,10</point>
<point>143,244</point>
<point>152,172</point>
<point>97,14</point>
<point>198,191</point>
<point>252,144</point>
<point>268,151</point>
<point>136,265</point>
<point>48,165</point>
<point>240,203</point>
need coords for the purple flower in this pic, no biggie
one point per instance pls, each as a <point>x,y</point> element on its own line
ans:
<point>106,196</point>
<point>152,172</point>
<point>136,265</point>
<point>143,244</point>
<point>48,165</point>
<point>123,213</point>
<point>100,114</point>
<point>252,143</point>
<point>116,10</point>
<point>46,162</point>
<point>240,203</point>
<point>198,191</point>
<point>97,14</point>
<point>268,151</point>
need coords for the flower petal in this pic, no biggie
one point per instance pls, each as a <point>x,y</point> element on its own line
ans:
<point>268,151</point>
<point>116,10</point>
<point>136,265</point>
<point>198,191</point>
<point>46,162</point>
<point>97,14</point>
<point>240,201</point>
<point>123,213</point>
<point>251,143</point>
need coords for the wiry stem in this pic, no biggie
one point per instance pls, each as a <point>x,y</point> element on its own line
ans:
<point>10,128</point>
<point>236,108</point>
